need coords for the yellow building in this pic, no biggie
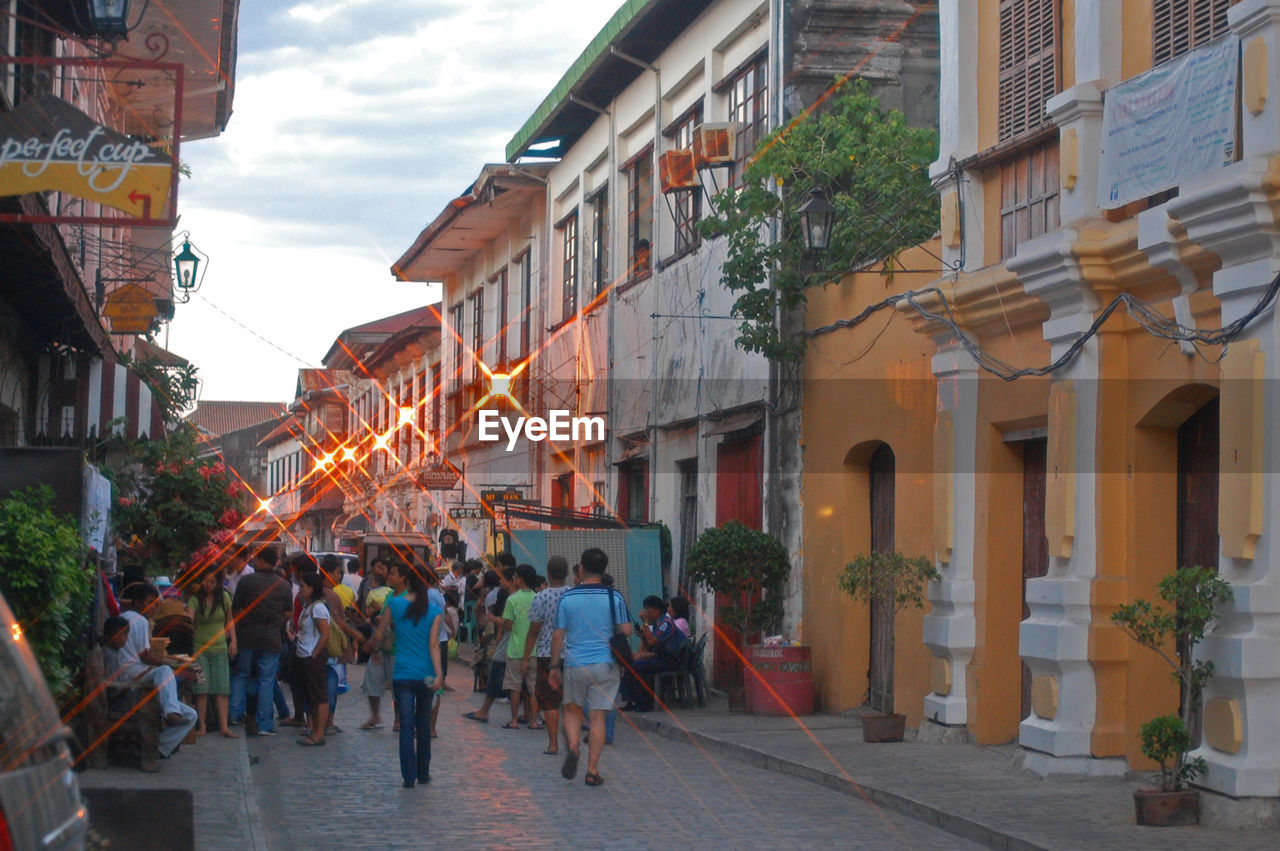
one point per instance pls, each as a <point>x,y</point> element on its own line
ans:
<point>1091,150</point>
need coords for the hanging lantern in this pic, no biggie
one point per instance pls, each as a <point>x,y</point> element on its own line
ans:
<point>109,18</point>
<point>186,264</point>
<point>816,219</point>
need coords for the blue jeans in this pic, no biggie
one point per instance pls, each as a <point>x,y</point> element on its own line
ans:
<point>413,702</point>
<point>261,667</point>
<point>331,686</point>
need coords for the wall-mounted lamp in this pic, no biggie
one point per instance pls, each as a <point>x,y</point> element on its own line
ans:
<point>109,19</point>
<point>817,215</point>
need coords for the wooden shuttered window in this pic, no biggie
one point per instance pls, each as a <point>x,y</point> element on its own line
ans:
<point>1029,187</point>
<point>1178,26</point>
<point>1028,64</point>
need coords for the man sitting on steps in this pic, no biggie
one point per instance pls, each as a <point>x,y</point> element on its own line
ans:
<point>129,658</point>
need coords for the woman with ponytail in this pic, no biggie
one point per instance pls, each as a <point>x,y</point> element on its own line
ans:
<point>416,674</point>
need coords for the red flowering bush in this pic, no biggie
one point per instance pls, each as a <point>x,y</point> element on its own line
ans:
<point>173,509</point>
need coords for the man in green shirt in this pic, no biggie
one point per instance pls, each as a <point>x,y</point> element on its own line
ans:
<point>515,617</point>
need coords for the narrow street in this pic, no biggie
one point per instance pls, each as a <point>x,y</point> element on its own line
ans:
<point>493,787</point>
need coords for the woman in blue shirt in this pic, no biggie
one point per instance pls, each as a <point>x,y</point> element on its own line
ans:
<point>414,678</point>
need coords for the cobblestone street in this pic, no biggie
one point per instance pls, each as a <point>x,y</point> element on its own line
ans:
<point>493,787</point>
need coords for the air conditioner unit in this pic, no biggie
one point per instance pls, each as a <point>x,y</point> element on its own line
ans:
<point>715,145</point>
<point>676,172</point>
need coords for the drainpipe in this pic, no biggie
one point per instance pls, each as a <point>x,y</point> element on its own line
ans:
<point>654,267</point>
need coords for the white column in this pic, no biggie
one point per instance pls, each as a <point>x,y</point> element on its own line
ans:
<point>958,131</point>
<point>1078,110</point>
<point>950,629</point>
<point>1054,639</point>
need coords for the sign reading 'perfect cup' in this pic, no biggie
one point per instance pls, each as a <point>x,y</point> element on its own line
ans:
<point>47,145</point>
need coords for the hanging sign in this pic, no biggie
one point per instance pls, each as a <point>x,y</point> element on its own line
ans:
<point>438,475</point>
<point>130,309</point>
<point>1175,122</point>
<point>47,145</point>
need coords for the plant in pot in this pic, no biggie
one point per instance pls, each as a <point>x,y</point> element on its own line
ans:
<point>1173,630</point>
<point>748,567</point>
<point>893,582</point>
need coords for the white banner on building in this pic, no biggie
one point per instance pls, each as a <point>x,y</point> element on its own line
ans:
<point>1172,123</point>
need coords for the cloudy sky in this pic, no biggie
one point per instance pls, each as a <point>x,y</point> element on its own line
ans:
<point>354,123</point>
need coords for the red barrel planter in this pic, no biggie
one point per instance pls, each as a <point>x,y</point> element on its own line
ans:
<point>779,681</point>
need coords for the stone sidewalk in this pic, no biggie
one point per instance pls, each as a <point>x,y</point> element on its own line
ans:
<point>970,791</point>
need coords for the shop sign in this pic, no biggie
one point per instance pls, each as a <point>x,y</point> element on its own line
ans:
<point>493,497</point>
<point>438,476</point>
<point>47,145</point>
<point>467,513</point>
<point>130,309</point>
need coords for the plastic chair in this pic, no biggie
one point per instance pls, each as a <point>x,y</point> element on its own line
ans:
<point>697,672</point>
<point>667,683</point>
<point>469,622</point>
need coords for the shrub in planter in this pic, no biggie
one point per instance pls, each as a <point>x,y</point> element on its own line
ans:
<point>750,568</point>
<point>895,582</point>
<point>1190,596</point>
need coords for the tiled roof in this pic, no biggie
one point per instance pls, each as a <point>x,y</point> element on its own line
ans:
<point>219,418</point>
<point>290,427</point>
<point>315,379</point>
<point>354,343</point>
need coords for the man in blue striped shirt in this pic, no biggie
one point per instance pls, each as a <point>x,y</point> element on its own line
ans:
<point>587,618</point>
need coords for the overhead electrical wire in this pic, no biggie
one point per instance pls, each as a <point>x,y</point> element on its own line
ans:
<point>1142,313</point>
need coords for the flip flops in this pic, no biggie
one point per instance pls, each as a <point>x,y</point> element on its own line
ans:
<point>570,768</point>
<point>536,726</point>
<point>594,779</point>
<point>551,752</point>
<point>369,725</point>
<point>474,717</point>
<point>511,725</point>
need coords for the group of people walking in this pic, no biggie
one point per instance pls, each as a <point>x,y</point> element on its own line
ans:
<point>551,649</point>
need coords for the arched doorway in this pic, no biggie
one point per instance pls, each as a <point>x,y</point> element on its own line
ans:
<point>880,669</point>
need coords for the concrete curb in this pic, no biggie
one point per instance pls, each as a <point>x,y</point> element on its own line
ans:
<point>253,816</point>
<point>954,824</point>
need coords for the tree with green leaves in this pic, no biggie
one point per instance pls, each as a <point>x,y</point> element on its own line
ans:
<point>749,567</point>
<point>171,505</point>
<point>44,580</point>
<point>892,581</point>
<point>868,162</point>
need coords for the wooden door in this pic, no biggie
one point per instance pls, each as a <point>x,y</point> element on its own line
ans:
<point>1198,488</point>
<point>1198,503</point>
<point>739,466</point>
<point>1035,544</point>
<point>880,669</point>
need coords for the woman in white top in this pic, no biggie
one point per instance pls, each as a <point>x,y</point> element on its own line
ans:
<point>313,635</point>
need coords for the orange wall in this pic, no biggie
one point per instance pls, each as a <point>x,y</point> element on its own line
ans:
<point>864,385</point>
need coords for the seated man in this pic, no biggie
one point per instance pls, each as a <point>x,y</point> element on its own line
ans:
<point>129,659</point>
<point>661,642</point>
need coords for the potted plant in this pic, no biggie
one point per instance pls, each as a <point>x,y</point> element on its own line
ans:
<point>748,567</point>
<point>894,582</point>
<point>1190,595</point>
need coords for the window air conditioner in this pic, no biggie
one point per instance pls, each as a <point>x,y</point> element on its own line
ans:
<point>715,145</point>
<point>675,170</point>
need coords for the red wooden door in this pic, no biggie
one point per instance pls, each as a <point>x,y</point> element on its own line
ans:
<point>880,667</point>
<point>739,467</point>
<point>1035,544</point>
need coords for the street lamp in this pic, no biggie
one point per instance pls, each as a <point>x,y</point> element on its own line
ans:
<point>816,218</point>
<point>185,265</point>
<point>109,18</point>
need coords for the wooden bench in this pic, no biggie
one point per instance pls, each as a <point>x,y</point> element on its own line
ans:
<point>122,715</point>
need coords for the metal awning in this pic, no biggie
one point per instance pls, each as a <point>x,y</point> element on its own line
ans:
<point>742,421</point>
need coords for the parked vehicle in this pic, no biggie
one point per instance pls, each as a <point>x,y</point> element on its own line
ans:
<point>40,805</point>
<point>344,558</point>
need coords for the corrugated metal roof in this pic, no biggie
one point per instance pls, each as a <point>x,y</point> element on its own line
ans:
<point>219,418</point>
<point>640,28</point>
